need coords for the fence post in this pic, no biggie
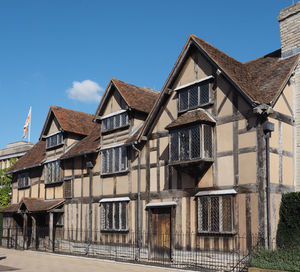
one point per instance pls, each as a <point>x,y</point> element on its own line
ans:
<point>16,238</point>
<point>51,241</point>
<point>8,234</point>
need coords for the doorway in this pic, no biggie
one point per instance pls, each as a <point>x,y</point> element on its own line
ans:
<point>160,233</point>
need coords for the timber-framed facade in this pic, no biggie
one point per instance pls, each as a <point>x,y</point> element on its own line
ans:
<point>208,157</point>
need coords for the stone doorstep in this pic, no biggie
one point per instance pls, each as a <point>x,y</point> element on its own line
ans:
<point>254,269</point>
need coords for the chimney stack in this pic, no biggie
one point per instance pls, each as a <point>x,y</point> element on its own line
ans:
<point>289,20</point>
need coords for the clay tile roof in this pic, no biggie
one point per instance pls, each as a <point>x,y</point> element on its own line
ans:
<point>138,98</point>
<point>38,205</point>
<point>88,144</point>
<point>73,121</point>
<point>34,156</point>
<point>194,116</point>
<point>33,205</point>
<point>10,209</point>
<point>260,79</point>
<point>268,74</point>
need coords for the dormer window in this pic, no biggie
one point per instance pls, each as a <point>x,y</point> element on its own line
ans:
<point>114,121</point>
<point>194,95</point>
<point>54,140</point>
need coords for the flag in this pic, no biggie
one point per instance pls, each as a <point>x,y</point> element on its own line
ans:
<point>27,122</point>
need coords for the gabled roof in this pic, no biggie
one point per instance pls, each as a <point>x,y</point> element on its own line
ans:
<point>70,120</point>
<point>34,157</point>
<point>138,98</point>
<point>259,81</point>
<point>193,116</point>
<point>269,75</point>
<point>38,204</point>
<point>10,209</point>
<point>34,205</point>
<point>89,144</point>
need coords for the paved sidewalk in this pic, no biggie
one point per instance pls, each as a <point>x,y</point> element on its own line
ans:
<point>32,261</point>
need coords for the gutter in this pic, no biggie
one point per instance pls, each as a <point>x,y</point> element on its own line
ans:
<point>22,169</point>
<point>79,154</point>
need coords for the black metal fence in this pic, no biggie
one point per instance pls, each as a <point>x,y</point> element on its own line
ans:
<point>184,251</point>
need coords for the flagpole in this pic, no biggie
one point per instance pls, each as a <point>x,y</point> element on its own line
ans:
<point>29,126</point>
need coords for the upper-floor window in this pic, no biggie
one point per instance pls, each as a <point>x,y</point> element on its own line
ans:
<point>23,180</point>
<point>52,172</point>
<point>193,96</point>
<point>54,140</point>
<point>114,216</point>
<point>191,143</point>
<point>114,160</point>
<point>115,121</point>
<point>215,214</point>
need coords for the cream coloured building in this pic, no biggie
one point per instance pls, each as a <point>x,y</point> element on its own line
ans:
<point>202,164</point>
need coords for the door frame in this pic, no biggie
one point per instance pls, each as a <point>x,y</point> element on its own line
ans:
<point>149,208</point>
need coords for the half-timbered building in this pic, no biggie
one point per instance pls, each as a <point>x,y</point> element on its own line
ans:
<point>202,164</point>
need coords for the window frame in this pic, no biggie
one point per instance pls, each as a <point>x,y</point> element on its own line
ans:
<point>21,180</point>
<point>202,146</point>
<point>220,218</point>
<point>188,88</point>
<point>113,118</point>
<point>112,163</point>
<point>104,210</point>
<point>59,140</point>
<point>57,171</point>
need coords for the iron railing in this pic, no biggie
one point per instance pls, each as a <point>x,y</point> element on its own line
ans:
<point>184,251</point>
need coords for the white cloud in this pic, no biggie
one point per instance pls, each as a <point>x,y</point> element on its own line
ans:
<point>85,91</point>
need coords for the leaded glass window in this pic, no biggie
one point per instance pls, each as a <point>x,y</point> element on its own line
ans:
<point>52,172</point>
<point>191,143</point>
<point>23,180</point>
<point>54,140</point>
<point>115,121</point>
<point>193,96</point>
<point>215,214</point>
<point>114,216</point>
<point>114,160</point>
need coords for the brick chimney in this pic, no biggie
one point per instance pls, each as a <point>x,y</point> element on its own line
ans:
<point>289,20</point>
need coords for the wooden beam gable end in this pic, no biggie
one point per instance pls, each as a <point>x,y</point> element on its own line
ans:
<point>110,87</point>
<point>165,93</point>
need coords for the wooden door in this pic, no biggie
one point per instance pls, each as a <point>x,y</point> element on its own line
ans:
<point>160,234</point>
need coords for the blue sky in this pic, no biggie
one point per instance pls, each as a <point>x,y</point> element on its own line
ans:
<point>50,47</point>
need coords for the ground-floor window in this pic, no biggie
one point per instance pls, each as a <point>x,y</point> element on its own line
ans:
<point>215,214</point>
<point>114,215</point>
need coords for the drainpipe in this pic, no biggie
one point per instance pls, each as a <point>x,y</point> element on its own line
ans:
<point>138,205</point>
<point>268,127</point>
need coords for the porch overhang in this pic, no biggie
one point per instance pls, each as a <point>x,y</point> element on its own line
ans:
<point>217,192</point>
<point>161,204</point>
<point>34,205</point>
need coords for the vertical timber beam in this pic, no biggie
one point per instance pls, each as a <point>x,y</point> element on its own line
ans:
<point>51,231</point>
<point>261,181</point>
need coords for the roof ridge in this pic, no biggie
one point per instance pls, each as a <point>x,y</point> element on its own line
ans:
<point>58,107</point>
<point>209,44</point>
<point>261,57</point>
<point>144,88</point>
